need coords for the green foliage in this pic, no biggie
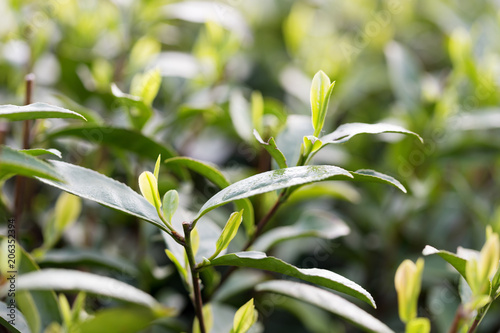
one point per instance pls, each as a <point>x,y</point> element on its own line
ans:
<point>233,101</point>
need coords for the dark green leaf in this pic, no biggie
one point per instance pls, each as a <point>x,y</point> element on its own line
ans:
<point>327,301</point>
<point>272,181</point>
<point>14,162</point>
<point>94,186</point>
<point>36,111</point>
<point>122,138</point>
<point>90,258</point>
<point>321,277</point>
<point>457,262</point>
<point>346,131</point>
<point>71,280</point>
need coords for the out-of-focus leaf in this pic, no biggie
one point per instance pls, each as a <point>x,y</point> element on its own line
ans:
<point>346,131</point>
<point>207,317</point>
<point>91,115</point>
<point>39,306</point>
<point>201,12</point>
<point>290,139</point>
<point>272,181</point>
<point>210,172</point>
<point>328,301</point>
<point>478,120</point>
<point>404,74</point>
<point>94,186</point>
<point>241,117</point>
<point>314,224</point>
<point>457,262</point>
<point>123,320</point>
<point>65,279</point>
<point>122,138</point>
<point>78,257</point>
<point>146,86</point>
<point>14,162</point>
<point>40,151</point>
<point>36,111</point>
<point>20,324</point>
<point>321,277</point>
<point>419,325</point>
<point>272,149</point>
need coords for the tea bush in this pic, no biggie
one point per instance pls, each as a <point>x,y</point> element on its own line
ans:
<point>218,124</point>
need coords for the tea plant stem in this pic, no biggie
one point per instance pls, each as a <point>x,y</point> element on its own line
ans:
<point>479,318</point>
<point>459,315</point>
<point>263,222</point>
<point>20,186</point>
<point>198,303</point>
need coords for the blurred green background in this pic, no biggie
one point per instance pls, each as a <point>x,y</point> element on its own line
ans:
<point>430,66</point>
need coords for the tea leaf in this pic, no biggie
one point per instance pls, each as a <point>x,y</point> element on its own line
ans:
<point>457,262</point>
<point>272,181</point>
<point>346,131</point>
<point>15,162</point>
<point>272,149</point>
<point>327,301</point>
<point>244,318</point>
<point>36,111</point>
<point>321,277</point>
<point>228,233</point>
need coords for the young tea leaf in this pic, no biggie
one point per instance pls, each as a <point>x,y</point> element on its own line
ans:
<point>244,318</point>
<point>170,204</point>
<point>228,233</point>
<point>149,189</point>
<point>321,89</point>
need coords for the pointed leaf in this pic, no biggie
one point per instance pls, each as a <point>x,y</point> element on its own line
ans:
<point>36,111</point>
<point>346,131</point>
<point>321,89</point>
<point>272,181</point>
<point>327,301</point>
<point>378,177</point>
<point>146,86</point>
<point>244,318</point>
<point>67,280</point>
<point>321,277</point>
<point>457,262</point>
<point>123,320</point>
<point>41,151</point>
<point>94,186</point>
<point>14,162</point>
<point>157,167</point>
<point>180,268</point>
<point>272,149</point>
<point>228,233</point>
